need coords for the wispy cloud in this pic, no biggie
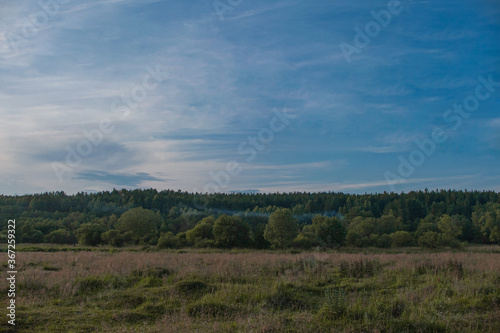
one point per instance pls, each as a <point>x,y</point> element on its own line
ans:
<point>222,81</point>
<point>118,179</point>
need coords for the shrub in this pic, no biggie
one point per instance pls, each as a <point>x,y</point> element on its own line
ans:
<point>302,242</point>
<point>401,238</point>
<point>202,231</point>
<point>429,239</point>
<point>141,222</point>
<point>90,234</point>
<point>168,241</point>
<point>231,231</point>
<point>334,304</point>
<point>383,241</point>
<point>60,236</point>
<point>113,238</point>
<point>359,268</point>
<point>354,238</point>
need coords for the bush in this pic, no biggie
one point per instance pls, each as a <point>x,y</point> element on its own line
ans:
<point>168,241</point>
<point>204,243</point>
<point>202,231</point>
<point>334,304</point>
<point>113,238</point>
<point>142,223</point>
<point>302,242</point>
<point>383,241</point>
<point>327,231</point>
<point>354,238</point>
<point>401,239</point>
<point>231,231</point>
<point>60,236</point>
<point>359,268</point>
<point>429,239</point>
<point>90,234</point>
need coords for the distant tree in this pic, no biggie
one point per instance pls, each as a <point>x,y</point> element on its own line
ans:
<point>230,231</point>
<point>141,222</point>
<point>90,234</point>
<point>451,228</point>
<point>60,236</point>
<point>425,226</point>
<point>329,231</point>
<point>401,238</point>
<point>32,236</point>
<point>302,242</point>
<point>354,238</point>
<point>259,242</point>
<point>388,224</point>
<point>382,241</point>
<point>113,238</point>
<point>281,228</point>
<point>487,220</point>
<point>364,226</point>
<point>168,241</point>
<point>429,239</point>
<point>202,231</point>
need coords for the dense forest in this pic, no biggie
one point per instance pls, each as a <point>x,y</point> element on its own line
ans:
<point>175,219</point>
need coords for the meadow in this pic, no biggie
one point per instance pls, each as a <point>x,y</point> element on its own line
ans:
<point>66,289</point>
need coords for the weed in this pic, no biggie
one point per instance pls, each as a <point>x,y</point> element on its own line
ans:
<point>359,268</point>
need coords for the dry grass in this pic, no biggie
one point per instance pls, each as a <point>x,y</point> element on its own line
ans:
<point>258,292</point>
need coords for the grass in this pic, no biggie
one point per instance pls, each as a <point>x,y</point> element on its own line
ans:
<point>258,291</point>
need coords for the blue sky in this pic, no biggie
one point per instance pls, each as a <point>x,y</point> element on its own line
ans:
<point>271,70</point>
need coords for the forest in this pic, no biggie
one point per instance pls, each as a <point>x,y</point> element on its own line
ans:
<point>176,219</point>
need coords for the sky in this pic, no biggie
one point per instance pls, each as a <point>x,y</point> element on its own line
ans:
<point>240,95</point>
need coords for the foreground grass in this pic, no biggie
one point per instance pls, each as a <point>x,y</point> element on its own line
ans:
<point>257,292</point>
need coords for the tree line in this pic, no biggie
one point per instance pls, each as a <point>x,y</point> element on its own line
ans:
<point>175,219</point>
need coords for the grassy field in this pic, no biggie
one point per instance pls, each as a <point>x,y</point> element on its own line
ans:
<point>252,291</point>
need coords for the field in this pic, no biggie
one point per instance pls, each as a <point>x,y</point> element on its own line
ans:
<point>252,291</point>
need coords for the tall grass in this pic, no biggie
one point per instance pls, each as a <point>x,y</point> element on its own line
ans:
<point>257,292</point>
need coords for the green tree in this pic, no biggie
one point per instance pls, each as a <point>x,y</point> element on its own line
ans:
<point>302,242</point>
<point>168,241</point>
<point>281,228</point>
<point>327,231</point>
<point>202,231</point>
<point>488,221</point>
<point>401,238</point>
<point>429,239</point>
<point>90,234</point>
<point>354,238</point>
<point>383,241</point>
<point>230,231</point>
<point>450,227</point>
<point>113,238</point>
<point>141,222</point>
<point>60,236</point>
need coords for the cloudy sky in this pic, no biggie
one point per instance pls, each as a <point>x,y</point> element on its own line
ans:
<point>285,95</point>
